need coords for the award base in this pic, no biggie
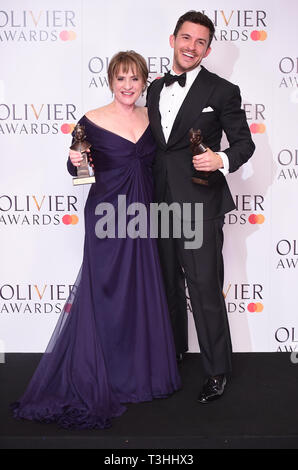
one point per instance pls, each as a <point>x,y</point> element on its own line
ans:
<point>200,181</point>
<point>86,180</point>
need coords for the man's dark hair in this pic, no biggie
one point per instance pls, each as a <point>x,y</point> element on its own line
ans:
<point>198,18</point>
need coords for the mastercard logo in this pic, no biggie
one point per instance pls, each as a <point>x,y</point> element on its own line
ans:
<point>255,307</point>
<point>70,219</point>
<point>67,36</point>
<point>256,219</point>
<point>258,35</point>
<point>257,128</point>
<point>67,128</point>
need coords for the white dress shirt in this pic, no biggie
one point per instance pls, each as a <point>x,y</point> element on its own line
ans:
<point>171,99</point>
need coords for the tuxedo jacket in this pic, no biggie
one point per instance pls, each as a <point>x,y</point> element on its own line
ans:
<point>173,164</point>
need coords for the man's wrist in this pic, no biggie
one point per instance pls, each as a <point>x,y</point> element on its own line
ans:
<point>220,162</point>
<point>225,163</point>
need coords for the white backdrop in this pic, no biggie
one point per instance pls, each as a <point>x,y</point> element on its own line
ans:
<point>54,56</point>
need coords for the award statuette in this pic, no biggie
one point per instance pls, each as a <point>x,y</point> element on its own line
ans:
<point>81,145</point>
<point>197,148</point>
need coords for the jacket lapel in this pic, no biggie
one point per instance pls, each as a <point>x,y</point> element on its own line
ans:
<point>154,113</point>
<point>192,106</point>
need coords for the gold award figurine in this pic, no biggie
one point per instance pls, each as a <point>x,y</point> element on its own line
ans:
<point>197,148</point>
<point>85,174</point>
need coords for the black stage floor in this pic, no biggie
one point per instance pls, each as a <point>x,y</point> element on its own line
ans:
<point>259,410</point>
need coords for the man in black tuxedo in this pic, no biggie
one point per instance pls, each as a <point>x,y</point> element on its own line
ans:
<point>189,96</point>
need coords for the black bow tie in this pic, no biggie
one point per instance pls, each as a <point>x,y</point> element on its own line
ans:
<point>169,79</point>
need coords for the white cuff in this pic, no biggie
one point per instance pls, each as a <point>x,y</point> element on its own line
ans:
<point>226,163</point>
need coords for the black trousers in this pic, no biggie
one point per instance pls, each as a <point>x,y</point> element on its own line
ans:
<point>203,271</point>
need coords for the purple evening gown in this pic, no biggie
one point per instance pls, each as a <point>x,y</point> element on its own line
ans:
<point>113,342</point>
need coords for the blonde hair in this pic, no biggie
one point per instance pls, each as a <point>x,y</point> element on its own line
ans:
<point>128,60</point>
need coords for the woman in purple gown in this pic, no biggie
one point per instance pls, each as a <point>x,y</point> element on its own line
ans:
<point>113,341</point>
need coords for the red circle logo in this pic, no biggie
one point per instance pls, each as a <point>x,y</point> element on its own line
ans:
<point>67,128</point>
<point>70,219</point>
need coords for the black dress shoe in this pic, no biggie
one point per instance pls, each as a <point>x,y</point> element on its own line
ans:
<point>213,389</point>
